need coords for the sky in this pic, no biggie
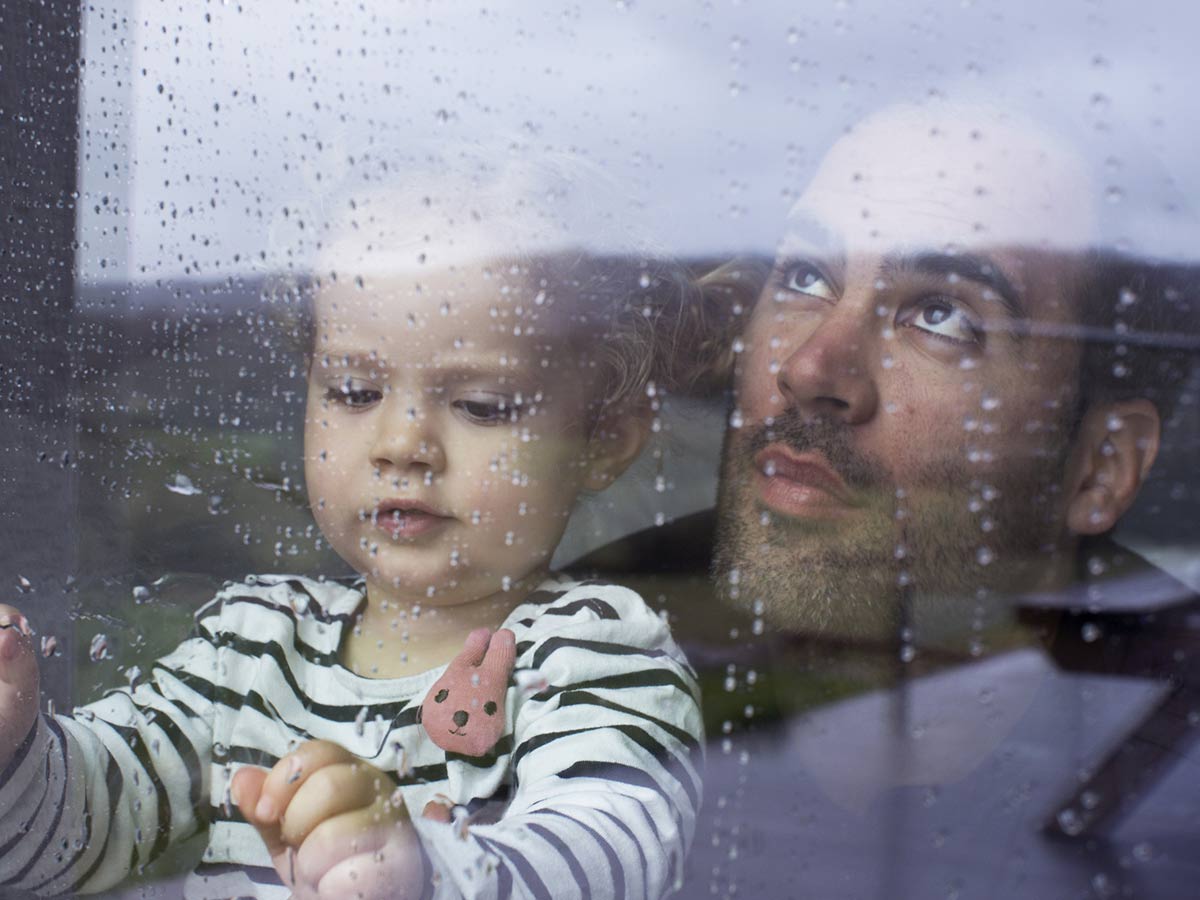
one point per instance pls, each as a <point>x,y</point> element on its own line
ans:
<point>216,136</point>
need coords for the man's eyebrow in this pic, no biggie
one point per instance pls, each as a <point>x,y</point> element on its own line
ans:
<point>968,267</point>
<point>806,234</point>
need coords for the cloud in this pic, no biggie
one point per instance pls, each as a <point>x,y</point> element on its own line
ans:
<point>214,137</point>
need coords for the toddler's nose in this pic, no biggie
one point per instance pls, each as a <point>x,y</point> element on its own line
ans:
<point>404,438</point>
<point>460,718</point>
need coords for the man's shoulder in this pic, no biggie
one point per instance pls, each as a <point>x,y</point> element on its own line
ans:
<point>680,546</point>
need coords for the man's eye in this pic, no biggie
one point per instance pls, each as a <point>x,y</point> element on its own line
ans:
<point>944,318</point>
<point>490,411</point>
<point>806,278</point>
<point>353,393</point>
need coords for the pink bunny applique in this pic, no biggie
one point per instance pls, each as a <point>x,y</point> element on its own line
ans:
<point>464,710</point>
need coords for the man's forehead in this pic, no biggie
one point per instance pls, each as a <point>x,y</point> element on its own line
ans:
<point>956,178</point>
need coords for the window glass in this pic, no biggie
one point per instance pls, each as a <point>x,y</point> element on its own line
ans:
<point>853,341</point>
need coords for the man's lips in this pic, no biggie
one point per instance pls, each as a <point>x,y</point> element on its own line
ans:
<point>800,484</point>
<point>407,518</point>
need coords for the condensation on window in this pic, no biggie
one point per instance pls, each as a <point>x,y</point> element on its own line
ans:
<point>940,613</point>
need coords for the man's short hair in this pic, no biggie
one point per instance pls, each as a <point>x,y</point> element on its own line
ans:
<point>1138,321</point>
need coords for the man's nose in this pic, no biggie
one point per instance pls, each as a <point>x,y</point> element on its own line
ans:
<point>830,371</point>
<point>406,438</point>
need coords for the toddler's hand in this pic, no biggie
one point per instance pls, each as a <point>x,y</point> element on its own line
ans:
<point>331,825</point>
<point>19,682</point>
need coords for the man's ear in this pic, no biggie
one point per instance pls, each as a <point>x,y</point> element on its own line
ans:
<point>1115,449</point>
<point>616,441</point>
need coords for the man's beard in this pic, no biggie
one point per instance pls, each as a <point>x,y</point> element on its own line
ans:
<point>934,555</point>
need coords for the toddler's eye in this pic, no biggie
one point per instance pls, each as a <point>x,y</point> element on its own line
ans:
<point>487,411</point>
<point>354,393</point>
<point>441,696</point>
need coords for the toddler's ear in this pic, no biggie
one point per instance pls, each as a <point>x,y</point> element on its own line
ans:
<point>616,441</point>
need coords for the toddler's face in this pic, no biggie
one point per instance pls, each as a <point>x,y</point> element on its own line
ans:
<point>445,438</point>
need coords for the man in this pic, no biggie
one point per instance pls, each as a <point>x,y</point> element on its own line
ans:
<point>949,389</point>
<point>914,424</point>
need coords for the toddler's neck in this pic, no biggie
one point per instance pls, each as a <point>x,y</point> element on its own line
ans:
<point>394,637</point>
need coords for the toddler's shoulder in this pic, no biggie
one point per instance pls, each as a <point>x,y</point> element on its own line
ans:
<point>259,601</point>
<point>608,611</point>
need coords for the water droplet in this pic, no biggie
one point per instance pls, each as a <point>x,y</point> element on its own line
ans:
<point>1069,822</point>
<point>98,649</point>
<point>182,485</point>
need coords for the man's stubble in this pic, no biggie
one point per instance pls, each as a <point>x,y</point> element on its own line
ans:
<point>937,554</point>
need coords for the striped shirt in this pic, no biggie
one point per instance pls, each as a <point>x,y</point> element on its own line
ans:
<point>592,790</point>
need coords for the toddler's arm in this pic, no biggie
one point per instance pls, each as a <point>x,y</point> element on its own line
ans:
<point>85,798</point>
<point>606,762</point>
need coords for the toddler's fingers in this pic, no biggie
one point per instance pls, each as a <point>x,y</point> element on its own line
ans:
<point>245,790</point>
<point>290,773</point>
<point>387,874</point>
<point>376,858</point>
<point>337,839</point>
<point>332,791</point>
<point>438,812</point>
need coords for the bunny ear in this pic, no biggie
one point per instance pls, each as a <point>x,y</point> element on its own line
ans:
<point>474,649</point>
<point>501,652</point>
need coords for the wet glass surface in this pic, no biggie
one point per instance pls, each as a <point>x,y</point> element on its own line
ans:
<point>941,608</point>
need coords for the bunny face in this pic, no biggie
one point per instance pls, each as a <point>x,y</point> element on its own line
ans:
<point>464,711</point>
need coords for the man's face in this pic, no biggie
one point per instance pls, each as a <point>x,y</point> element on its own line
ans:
<point>906,391</point>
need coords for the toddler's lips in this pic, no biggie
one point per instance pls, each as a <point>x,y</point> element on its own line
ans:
<point>407,519</point>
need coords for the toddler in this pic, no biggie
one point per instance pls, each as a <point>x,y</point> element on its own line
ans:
<point>471,375</point>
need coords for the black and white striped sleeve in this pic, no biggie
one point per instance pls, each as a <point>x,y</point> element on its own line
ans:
<point>606,760</point>
<point>91,796</point>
